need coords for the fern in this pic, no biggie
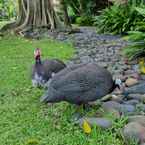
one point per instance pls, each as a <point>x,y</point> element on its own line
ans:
<point>136,47</point>
<point>119,19</point>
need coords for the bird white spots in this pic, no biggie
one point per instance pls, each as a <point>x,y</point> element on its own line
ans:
<point>53,74</point>
<point>37,80</point>
<point>34,83</point>
<point>47,83</point>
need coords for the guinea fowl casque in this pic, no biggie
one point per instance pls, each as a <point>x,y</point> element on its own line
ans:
<point>80,84</point>
<point>42,71</point>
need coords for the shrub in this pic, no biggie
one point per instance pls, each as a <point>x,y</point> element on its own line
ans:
<point>84,21</point>
<point>118,19</point>
<point>7,9</point>
<point>136,47</point>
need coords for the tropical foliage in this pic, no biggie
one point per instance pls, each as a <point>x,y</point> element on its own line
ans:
<point>136,47</point>
<point>82,12</point>
<point>85,20</point>
<point>119,19</point>
<point>7,9</point>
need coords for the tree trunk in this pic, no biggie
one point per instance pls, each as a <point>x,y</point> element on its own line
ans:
<point>81,3</point>
<point>65,13</point>
<point>38,13</point>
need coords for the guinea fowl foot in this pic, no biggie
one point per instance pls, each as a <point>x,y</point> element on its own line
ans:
<point>81,110</point>
<point>76,116</point>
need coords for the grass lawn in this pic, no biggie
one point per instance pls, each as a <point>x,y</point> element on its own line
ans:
<point>23,119</point>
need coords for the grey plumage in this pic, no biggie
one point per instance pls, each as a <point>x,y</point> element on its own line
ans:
<point>79,84</point>
<point>42,70</point>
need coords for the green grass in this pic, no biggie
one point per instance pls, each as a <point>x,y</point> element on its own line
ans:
<point>23,119</point>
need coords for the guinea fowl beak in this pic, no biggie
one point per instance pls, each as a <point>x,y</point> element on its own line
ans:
<point>119,85</point>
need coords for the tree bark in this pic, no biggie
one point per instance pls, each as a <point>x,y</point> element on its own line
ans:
<point>38,13</point>
<point>65,13</point>
<point>81,3</point>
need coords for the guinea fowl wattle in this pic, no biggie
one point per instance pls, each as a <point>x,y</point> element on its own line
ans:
<point>80,84</point>
<point>42,71</point>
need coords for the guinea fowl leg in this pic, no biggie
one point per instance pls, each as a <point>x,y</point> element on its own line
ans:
<point>87,107</point>
<point>83,109</point>
<point>80,111</point>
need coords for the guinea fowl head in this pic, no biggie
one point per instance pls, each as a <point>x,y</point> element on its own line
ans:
<point>38,71</point>
<point>51,95</point>
<point>37,55</point>
<point>118,83</point>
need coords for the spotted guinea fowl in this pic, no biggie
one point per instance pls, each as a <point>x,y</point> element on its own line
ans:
<point>42,71</point>
<point>80,84</point>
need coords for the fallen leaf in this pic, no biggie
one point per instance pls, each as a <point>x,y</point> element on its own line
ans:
<point>142,66</point>
<point>86,127</point>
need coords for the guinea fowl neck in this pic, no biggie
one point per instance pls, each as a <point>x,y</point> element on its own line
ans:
<point>38,60</point>
<point>113,87</point>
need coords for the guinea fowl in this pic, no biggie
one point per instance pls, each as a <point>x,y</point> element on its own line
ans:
<point>80,84</point>
<point>42,71</point>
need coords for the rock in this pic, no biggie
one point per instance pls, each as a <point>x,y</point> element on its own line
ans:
<point>132,75</point>
<point>111,105</point>
<point>139,97</point>
<point>132,102</point>
<point>100,122</point>
<point>140,107</point>
<point>136,89</point>
<point>103,64</point>
<point>126,108</point>
<point>134,132</point>
<point>143,77</point>
<point>131,82</point>
<point>86,59</point>
<point>137,118</point>
<point>129,72</point>
<point>122,108</point>
<point>114,113</point>
<point>135,68</point>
